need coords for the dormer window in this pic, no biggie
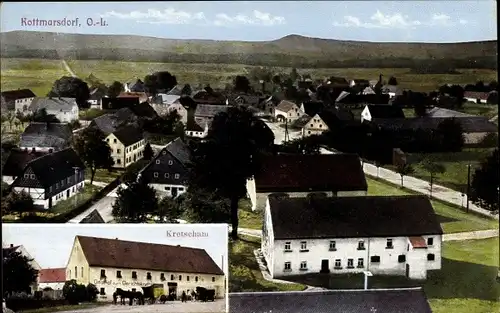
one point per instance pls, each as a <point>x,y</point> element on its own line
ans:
<point>157,161</point>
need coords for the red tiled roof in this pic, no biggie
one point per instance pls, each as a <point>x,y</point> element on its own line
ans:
<point>476,95</point>
<point>301,173</point>
<point>418,242</point>
<point>52,275</point>
<point>116,253</point>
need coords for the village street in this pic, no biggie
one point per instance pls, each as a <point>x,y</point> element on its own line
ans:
<point>218,306</point>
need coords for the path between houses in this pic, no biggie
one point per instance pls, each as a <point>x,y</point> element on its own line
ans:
<point>68,69</point>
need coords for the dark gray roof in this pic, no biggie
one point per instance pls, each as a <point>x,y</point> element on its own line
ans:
<point>312,108</point>
<point>12,95</point>
<point>209,110</point>
<point>53,104</point>
<point>128,135</point>
<point>285,105</point>
<point>17,160</point>
<point>385,111</point>
<point>46,135</point>
<point>474,124</point>
<point>333,301</point>
<point>442,112</point>
<point>180,150</point>
<point>353,217</point>
<point>108,123</point>
<point>93,218</point>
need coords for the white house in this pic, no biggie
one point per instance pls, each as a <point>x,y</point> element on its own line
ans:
<point>319,123</point>
<point>46,137</point>
<point>388,235</point>
<point>127,145</point>
<point>476,96</point>
<point>53,278</point>
<point>195,129</point>
<point>381,111</point>
<point>17,100</point>
<point>181,110</point>
<point>336,175</point>
<point>64,109</point>
<point>287,111</point>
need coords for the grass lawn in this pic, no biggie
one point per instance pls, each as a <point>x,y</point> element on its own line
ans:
<point>480,109</point>
<point>465,284</point>
<point>65,308</point>
<point>104,176</point>
<point>248,218</point>
<point>69,204</point>
<point>452,219</point>
<point>244,272</point>
<point>161,140</point>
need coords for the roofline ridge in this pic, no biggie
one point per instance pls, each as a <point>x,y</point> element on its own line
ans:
<point>149,243</point>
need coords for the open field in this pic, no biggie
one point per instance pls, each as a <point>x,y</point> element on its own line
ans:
<point>465,284</point>
<point>104,176</point>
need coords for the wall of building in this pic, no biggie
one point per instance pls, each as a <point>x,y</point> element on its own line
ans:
<point>54,286</point>
<point>117,151</point>
<point>22,105</point>
<point>167,189</point>
<point>267,242</point>
<point>38,195</point>
<point>474,138</point>
<point>134,152</point>
<point>77,267</point>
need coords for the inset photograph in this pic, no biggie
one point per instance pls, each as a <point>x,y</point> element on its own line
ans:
<point>115,267</point>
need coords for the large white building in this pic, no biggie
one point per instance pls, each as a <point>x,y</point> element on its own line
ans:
<point>336,175</point>
<point>64,109</point>
<point>394,235</point>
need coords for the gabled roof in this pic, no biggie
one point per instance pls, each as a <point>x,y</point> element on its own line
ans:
<point>54,167</point>
<point>175,91</point>
<point>119,103</point>
<point>192,125</point>
<point>312,108</point>
<point>301,173</point>
<point>476,95</point>
<point>97,94</point>
<point>137,86</point>
<point>108,123</point>
<point>286,106</point>
<point>52,275</point>
<point>474,124</point>
<point>46,135</point>
<point>93,218</point>
<point>385,111</point>
<point>144,110</point>
<point>116,253</point>
<point>53,104</point>
<point>12,95</point>
<point>128,135</point>
<point>169,99</point>
<point>209,110</point>
<point>343,95</point>
<point>332,301</point>
<point>180,150</point>
<point>353,217</point>
<point>17,160</point>
<point>442,112</point>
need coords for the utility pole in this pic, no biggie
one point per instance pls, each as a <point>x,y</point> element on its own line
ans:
<point>468,186</point>
<point>76,168</point>
<point>286,130</point>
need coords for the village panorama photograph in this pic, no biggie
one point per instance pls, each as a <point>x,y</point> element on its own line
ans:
<point>350,146</point>
<point>115,268</point>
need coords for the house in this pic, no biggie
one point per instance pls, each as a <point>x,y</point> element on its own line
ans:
<point>268,105</point>
<point>312,108</point>
<point>392,91</point>
<point>194,129</point>
<point>113,263</point>
<point>95,99</point>
<point>110,122</point>
<point>64,109</point>
<point>46,137</point>
<point>168,98</point>
<point>408,300</point>
<point>298,175</point>
<point>16,162</point>
<point>386,235</point>
<point>368,91</point>
<point>475,128</point>
<point>381,111</point>
<point>205,113</point>
<point>359,83</point>
<point>17,100</point>
<point>53,278</point>
<point>168,172</point>
<point>181,110</point>
<point>22,250</point>
<point>52,178</point>
<point>142,96</point>
<point>137,86</point>
<point>143,111</point>
<point>319,123</point>
<point>119,103</point>
<point>476,96</point>
<point>287,111</point>
<point>127,145</point>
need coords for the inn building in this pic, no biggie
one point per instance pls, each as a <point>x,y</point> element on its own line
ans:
<point>112,263</point>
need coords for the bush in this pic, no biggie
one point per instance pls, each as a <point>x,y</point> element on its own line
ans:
<point>74,292</point>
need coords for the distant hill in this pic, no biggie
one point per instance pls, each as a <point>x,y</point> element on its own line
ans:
<point>292,50</point>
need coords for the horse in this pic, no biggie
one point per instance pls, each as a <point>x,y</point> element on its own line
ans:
<point>149,294</point>
<point>193,295</point>
<point>131,295</point>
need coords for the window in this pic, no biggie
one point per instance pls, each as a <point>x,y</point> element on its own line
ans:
<point>170,162</point>
<point>134,275</point>
<point>32,176</point>
<point>213,279</point>
<point>164,152</point>
<point>375,259</point>
<point>361,245</point>
<point>176,176</point>
<point>303,246</point>
<point>133,289</point>
<point>69,180</point>
<point>114,140</point>
<point>431,257</point>
<point>181,189</point>
<point>430,241</point>
<point>361,263</point>
<point>333,246</point>
<point>172,277</point>
<point>350,263</point>
<point>26,175</point>
<point>118,161</point>
<point>288,266</point>
<point>162,276</point>
<point>50,189</point>
<point>196,278</point>
<point>103,273</point>
<point>389,244</point>
<point>303,265</point>
<point>102,292</point>
<point>62,182</point>
<point>167,175</point>
<point>167,188</point>
<point>401,258</point>
<point>187,278</point>
<point>148,276</point>
<point>288,246</point>
<point>118,150</point>
<point>155,174</point>
<point>338,263</point>
<point>180,277</point>
<point>76,272</point>
<point>118,274</point>
<point>157,161</point>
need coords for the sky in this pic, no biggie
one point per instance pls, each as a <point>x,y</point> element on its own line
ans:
<point>50,245</point>
<point>389,21</point>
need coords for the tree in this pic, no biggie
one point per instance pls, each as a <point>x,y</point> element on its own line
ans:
<point>304,145</point>
<point>433,168</point>
<point>135,203</point>
<point>115,89</point>
<point>392,81</point>
<point>151,84</point>
<point>276,79</point>
<point>202,206</point>
<point>148,153</point>
<point>186,90</point>
<point>71,87</point>
<point>485,182</point>
<point>493,85</point>
<point>170,210</point>
<point>241,83</point>
<point>160,82</point>
<point>74,292</point>
<point>93,150</point>
<point>419,109</point>
<point>451,135</point>
<point>179,130</point>
<point>91,292</point>
<point>18,202</point>
<point>18,274</point>
<point>404,169</point>
<point>492,98</point>
<point>41,116</point>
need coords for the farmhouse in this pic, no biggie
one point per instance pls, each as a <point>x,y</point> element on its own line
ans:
<point>476,96</point>
<point>298,175</point>
<point>64,109</point>
<point>168,172</point>
<point>17,100</point>
<point>53,278</point>
<point>114,263</point>
<point>268,105</point>
<point>96,97</point>
<point>46,137</point>
<point>127,145</point>
<point>205,113</point>
<point>319,123</point>
<point>20,249</point>
<point>109,122</point>
<point>388,235</point>
<point>346,301</point>
<point>52,178</point>
<point>16,162</point>
<point>287,111</point>
<point>193,129</point>
<point>381,111</point>
<point>141,96</point>
<point>136,86</point>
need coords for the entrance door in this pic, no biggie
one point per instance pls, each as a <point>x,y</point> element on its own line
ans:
<point>50,202</point>
<point>407,270</point>
<point>325,268</point>
<point>172,291</point>
<point>174,192</point>
<point>67,193</point>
